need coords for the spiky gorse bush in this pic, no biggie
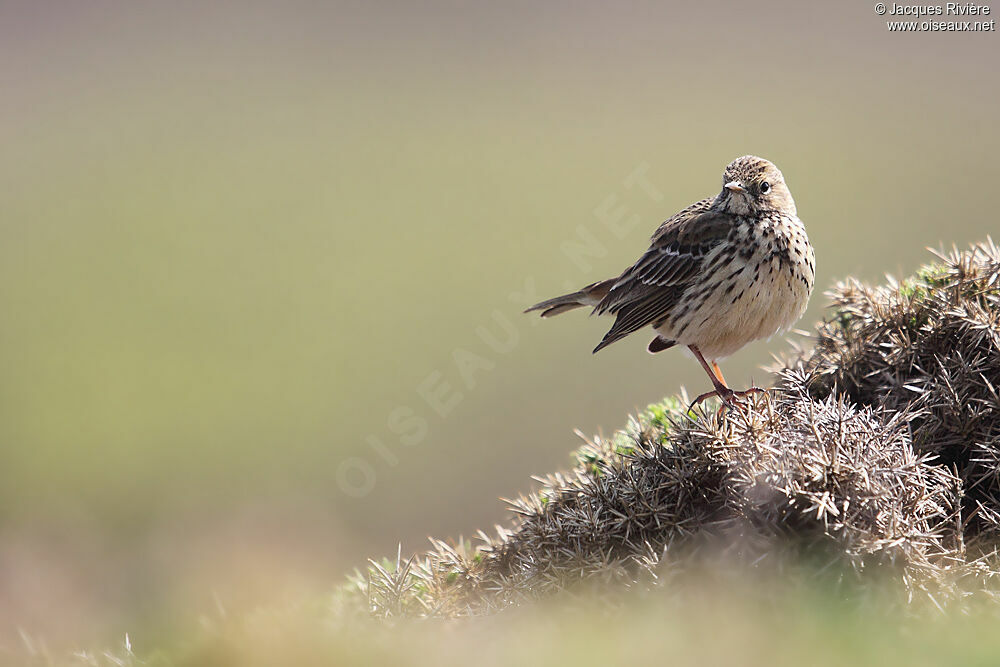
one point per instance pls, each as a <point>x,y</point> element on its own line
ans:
<point>928,348</point>
<point>877,453</point>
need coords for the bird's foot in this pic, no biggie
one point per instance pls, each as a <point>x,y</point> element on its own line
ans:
<point>726,397</point>
<point>749,392</point>
<point>730,398</point>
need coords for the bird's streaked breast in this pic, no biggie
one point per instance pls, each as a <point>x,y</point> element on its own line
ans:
<point>752,286</point>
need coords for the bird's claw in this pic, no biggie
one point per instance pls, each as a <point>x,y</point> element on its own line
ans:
<point>729,397</point>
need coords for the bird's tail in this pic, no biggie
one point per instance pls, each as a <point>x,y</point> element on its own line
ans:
<point>588,296</point>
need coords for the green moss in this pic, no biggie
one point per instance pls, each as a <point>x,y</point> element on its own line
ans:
<point>933,275</point>
<point>913,290</point>
<point>666,413</point>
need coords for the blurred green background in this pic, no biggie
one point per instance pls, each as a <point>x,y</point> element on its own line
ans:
<point>244,242</point>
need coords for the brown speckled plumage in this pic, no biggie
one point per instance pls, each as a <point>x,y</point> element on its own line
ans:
<point>723,272</point>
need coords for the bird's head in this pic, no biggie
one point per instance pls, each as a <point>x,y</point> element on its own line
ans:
<point>751,184</point>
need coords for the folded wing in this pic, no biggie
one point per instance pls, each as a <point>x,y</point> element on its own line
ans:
<point>646,292</point>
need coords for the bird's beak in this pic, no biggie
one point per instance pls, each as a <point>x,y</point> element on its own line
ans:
<point>735,186</point>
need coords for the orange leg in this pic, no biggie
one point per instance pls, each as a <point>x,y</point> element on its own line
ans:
<point>721,390</point>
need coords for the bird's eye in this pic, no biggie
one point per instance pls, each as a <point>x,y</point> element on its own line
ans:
<point>765,187</point>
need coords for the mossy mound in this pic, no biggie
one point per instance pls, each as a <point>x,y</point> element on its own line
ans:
<point>877,454</point>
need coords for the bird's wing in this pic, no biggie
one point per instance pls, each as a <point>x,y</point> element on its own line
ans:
<point>646,291</point>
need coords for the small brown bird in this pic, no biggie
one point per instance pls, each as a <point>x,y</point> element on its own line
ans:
<point>723,272</point>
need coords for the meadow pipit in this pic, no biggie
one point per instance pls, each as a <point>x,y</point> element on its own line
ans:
<point>723,272</point>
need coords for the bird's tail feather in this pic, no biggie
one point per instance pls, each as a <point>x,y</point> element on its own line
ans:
<point>588,296</point>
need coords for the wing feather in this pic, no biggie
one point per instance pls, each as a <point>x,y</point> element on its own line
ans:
<point>646,292</point>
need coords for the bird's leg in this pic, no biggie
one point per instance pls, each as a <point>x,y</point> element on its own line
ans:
<point>721,390</point>
<point>738,394</point>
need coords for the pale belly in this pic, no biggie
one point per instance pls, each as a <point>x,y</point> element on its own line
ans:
<point>766,297</point>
